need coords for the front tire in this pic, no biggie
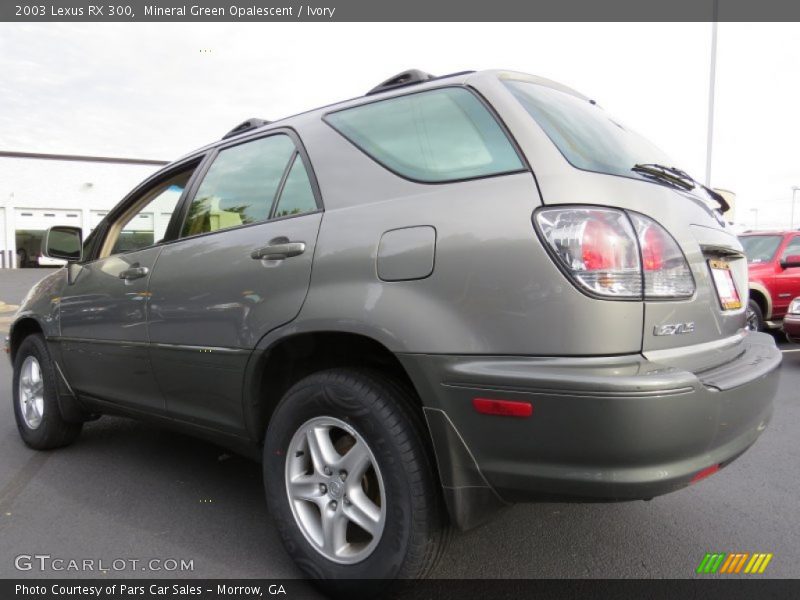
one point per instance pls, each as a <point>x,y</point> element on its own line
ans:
<point>35,396</point>
<point>350,481</point>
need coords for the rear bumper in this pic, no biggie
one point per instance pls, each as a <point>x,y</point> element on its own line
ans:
<point>602,429</point>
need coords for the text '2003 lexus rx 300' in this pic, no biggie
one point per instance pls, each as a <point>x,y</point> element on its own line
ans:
<point>416,307</point>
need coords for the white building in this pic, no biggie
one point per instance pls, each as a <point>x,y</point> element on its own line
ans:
<point>38,191</point>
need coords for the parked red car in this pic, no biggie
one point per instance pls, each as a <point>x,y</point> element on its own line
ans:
<point>773,258</point>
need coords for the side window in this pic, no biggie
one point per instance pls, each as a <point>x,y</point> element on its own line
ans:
<point>792,248</point>
<point>297,196</point>
<point>146,222</point>
<point>240,186</point>
<point>440,135</point>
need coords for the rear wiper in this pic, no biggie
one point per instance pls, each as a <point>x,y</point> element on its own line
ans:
<point>679,178</point>
<point>667,174</point>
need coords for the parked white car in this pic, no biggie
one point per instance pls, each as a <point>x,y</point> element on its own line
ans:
<point>46,261</point>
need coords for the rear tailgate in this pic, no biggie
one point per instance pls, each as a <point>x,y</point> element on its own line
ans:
<point>709,314</point>
<point>581,156</point>
<point>698,323</point>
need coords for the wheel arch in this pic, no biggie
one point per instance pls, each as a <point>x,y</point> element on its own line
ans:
<point>287,359</point>
<point>279,363</point>
<point>20,329</point>
<point>71,409</point>
<point>762,297</point>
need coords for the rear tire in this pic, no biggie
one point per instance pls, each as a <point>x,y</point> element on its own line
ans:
<point>312,437</point>
<point>754,317</point>
<point>35,396</point>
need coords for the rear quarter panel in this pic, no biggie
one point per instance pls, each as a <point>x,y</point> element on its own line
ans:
<point>493,290</point>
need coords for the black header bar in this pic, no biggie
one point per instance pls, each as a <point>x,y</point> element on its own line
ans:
<point>710,588</point>
<point>398,10</point>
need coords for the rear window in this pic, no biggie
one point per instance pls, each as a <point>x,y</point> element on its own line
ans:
<point>440,135</point>
<point>585,134</point>
<point>760,248</point>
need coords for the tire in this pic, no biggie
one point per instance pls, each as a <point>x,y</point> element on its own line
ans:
<point>354,407</point>
<point>40,425</point>
<point>755,318</point>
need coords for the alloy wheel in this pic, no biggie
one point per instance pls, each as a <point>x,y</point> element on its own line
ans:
<point>31,392</point>
<point>335,490</point>
<point>751,320</point>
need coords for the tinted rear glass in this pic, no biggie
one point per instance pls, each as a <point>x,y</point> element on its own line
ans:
<point>584,133</point>
<point>440,135</point>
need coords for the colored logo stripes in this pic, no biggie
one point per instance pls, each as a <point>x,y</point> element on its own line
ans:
<point>736,562</point>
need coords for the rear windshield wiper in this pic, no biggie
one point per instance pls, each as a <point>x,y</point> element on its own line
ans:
<point>679,178</point>
<point>666,174</point>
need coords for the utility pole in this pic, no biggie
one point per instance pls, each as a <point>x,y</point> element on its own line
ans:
<point>711,89</point>
<point>712,80</point>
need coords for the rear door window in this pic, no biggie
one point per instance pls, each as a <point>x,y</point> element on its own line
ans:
<point>297,195</point>
<point>440,135</point>
<point>241,185</point>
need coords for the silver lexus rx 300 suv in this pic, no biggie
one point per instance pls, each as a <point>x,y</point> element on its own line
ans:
<point>416,307</point>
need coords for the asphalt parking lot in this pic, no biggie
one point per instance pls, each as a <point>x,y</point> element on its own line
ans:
<point>127,490</point>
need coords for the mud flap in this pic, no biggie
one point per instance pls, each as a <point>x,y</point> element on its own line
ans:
<point>470,499</point>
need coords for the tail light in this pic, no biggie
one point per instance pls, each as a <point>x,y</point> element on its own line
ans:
<point>666,272</point>
<point>615,254</point>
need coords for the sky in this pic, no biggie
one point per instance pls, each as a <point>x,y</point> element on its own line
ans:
<point>159,90</point>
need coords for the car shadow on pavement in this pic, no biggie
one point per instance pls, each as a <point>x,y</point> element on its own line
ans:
<point>129,489</point>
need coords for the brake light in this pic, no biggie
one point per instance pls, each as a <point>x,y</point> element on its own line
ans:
<point>600,247</point>
<point>666,272</point>
<point>612,253</point>
<point>652,250</point>
<point>597,246</point>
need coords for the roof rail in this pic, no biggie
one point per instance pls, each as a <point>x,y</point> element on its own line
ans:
<point>245,126</point>
<point>410,77</point>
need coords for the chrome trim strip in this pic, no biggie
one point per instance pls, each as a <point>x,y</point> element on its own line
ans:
<point>209,349</point>
<point>185,347</point>
<point>80,340</point>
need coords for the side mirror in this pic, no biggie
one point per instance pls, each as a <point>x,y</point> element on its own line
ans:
<point>64,242</point>
<point>793,260</point>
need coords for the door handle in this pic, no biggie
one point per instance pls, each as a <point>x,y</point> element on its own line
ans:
<point>278,250</point>
<point>134,273</point>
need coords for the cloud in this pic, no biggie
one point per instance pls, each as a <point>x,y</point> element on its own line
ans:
<point>160,90</point>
